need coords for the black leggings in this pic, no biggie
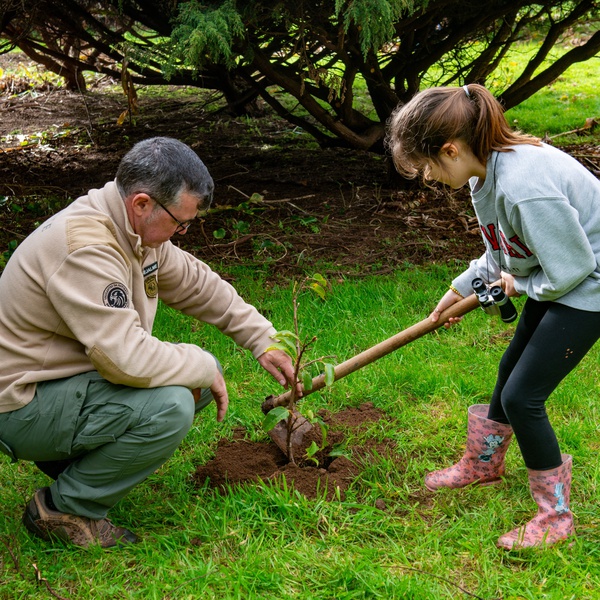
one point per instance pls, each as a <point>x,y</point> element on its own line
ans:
<point>549,341</point>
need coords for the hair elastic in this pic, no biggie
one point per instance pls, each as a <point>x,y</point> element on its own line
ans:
<point>466,88</point>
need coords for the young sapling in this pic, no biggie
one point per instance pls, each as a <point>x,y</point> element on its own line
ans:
<point>291,343</point>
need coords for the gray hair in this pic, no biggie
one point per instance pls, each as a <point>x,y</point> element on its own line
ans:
<point>164,168</point>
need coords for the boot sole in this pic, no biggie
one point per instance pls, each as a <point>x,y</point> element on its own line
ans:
<point>30,518</point>
<point>30,524</point>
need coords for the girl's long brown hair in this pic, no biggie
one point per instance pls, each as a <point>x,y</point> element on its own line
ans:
<point>417,130</point>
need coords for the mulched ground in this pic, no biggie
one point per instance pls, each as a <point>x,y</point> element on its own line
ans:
<point>279,203</point>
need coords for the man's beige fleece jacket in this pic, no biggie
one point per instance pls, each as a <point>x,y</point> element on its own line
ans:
<point>80,294</point>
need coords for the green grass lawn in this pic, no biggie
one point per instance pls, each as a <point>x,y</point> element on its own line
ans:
<point>562,106</point>
<point>264,542</point>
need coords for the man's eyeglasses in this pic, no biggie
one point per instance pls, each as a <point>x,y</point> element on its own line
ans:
<point>181,227</point>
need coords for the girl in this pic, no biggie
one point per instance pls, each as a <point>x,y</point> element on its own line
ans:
<point>539,212</point>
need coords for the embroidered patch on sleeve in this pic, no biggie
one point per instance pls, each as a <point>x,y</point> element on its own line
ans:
<point>115,295</point>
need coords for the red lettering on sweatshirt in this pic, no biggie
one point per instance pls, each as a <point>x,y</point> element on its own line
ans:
<point>508,249</point>
<point>491,235</point>
<point>515,240</point>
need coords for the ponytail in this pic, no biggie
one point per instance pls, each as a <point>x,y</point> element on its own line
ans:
<point>418,130</point>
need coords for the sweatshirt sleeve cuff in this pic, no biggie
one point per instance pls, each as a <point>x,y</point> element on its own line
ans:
<point>462,284</point>
<point>260,346</point>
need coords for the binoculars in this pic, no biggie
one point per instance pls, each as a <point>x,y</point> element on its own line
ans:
<point>494,300</point>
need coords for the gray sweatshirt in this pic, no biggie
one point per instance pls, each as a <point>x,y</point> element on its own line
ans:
<point>539,214</point>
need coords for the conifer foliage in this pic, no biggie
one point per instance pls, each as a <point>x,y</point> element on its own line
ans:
<point>310,60</point>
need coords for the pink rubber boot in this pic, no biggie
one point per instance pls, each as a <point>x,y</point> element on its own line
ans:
<point>483,460</point>
<point>551,491</point>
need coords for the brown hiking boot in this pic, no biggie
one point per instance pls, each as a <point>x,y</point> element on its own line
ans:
<point>81,531</point>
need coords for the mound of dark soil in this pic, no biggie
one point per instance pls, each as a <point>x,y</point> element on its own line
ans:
<point>240,462</point>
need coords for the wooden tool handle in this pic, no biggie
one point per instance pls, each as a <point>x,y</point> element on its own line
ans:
<point>382,349</point>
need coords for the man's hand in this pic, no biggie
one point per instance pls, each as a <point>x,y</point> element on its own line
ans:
<point>279,364</point>
<point>219,392</point>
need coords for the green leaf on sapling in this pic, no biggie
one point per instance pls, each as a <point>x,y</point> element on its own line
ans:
<point>279,413</point>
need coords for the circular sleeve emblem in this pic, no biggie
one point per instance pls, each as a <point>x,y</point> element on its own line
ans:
<point>116,296</point>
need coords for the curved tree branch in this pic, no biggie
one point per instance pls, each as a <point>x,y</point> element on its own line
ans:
<point>515,94</point>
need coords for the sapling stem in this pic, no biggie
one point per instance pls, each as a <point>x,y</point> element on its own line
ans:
<point>297,350</point>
